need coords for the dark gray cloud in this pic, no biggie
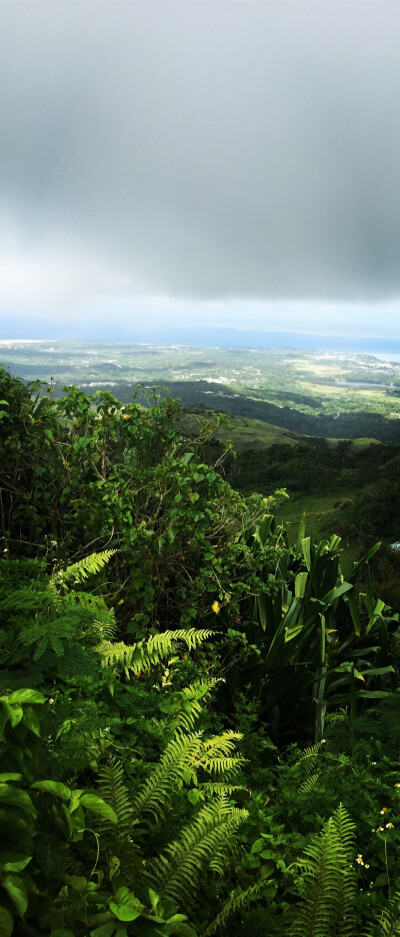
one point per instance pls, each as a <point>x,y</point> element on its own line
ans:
<point>200,150</point>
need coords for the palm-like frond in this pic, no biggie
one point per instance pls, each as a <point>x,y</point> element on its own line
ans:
<point>88,566</point>
<point>143,656</point>
<point>191,698</point>
<point>175,766</point>
<point>235,903</point>
<point>203,844</point>
<point>327,882</point>
<point>114,792</point>
<point>388,922</point>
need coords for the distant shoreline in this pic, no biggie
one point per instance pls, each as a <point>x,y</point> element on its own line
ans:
<point>385,349</point>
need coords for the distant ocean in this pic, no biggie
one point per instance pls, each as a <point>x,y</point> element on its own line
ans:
<point>208,336</point>
<point>250,338</point>
<point>246,338</point>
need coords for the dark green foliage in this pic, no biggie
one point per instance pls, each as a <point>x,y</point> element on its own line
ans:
<point>157,630</point>
<point>328,882</point>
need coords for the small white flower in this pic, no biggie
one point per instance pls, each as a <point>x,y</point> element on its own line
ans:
<point>51,700</point>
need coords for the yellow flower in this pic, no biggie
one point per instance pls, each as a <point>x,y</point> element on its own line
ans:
<point>379,830</point>
<point>127,416</point>
<point>366,865</point>
<point>216,607</point>
<point>389,826</point>
<point>398,784</point>
<point>384,810</point>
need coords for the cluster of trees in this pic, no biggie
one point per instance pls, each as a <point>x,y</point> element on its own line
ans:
<point>314,465</point>
<point>206,395</point>
<point>199,720</point>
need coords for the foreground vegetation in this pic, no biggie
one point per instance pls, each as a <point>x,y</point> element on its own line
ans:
<point>200,719</point>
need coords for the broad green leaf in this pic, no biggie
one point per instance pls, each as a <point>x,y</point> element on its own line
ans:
<point>187,456</point>
<point>31,721</point>
<point>376,694</point>
<point>14,713</point>
<point>264,529</point>
<point>114,866</point>
<point>379,607</point>
<point>16,798</point>
<point>365,559</point>
<point>154,899</point>
<point>183,930</point>
<point>347,667</point>
<point>378,671</point>
<point>336,593</point>
<point>354,612</point>
<point>300,584</point>
<point>193,796</point>
<point>306,551</point>
<point>76,823</point>
<point>6,923</point>
<point>10,862</point>
<point>125,905</point>
<point>10,776</point>
<point>261,605</point>
<point>381,879</point>
<point>97,805</point>
<point>78,882</point>
<point>26,696</point>
<point>105,930</point>
<point>17,891</point>
<point>54,787</point>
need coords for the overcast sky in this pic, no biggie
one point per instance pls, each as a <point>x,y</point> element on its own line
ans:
<point>223,163</point>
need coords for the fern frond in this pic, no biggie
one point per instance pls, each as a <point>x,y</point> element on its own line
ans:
<point>388,923</point>
<point>328,882</point>
<point>114,792</point>
<point>222,744</point>
<point>308,785</point>
<point>191,698</point>
<point>203,844</point>
<point>308,758</point>
<point>84,568</point>
<point>175,766</point>
<point>220,787</point>
<point>226,766</point>
<point>217,755</point>
<point>236,902</point>
<point>143,656</point>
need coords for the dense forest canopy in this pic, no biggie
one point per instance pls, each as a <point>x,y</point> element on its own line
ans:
<point>199,717</point>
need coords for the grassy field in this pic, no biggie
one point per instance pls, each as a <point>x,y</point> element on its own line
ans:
<point>317,507</point>
<point>246,433</point>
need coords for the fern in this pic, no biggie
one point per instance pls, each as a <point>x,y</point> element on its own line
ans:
<point>89,566</point>
<point>235,903</point>
<point>328,882</point>
<point>203,844</point>
<point>113,790</point>
<point>388,923</point>
<point>143,656</point>
<point>183,757</point>
<point>309,767</point>
<point>175,766</point>
<point>50,635</point>
<point>190,706</point>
